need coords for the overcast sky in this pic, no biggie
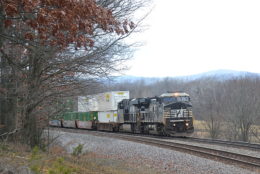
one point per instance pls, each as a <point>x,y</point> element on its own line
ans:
<point>192,36</point>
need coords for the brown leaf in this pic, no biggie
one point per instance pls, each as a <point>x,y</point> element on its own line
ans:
<point>29,36</point>
<point>8,23</point>
<point>11,9</point>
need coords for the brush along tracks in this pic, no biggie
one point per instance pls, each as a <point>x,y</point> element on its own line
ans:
<point>241,160</point>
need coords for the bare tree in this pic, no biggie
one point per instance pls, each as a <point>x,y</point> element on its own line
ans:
<point>242,105</point>
<point>49,52</point>
<point>208,104</point>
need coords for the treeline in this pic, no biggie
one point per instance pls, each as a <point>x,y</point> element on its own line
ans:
<point>230,108</point>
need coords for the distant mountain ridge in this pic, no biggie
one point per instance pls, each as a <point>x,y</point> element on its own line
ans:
<point>221,74</point>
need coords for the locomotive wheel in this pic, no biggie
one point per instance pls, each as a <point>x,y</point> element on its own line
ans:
<point>160,130</point>
<point>144,129</point>
<point>116,129</point>
<point>133,128</point>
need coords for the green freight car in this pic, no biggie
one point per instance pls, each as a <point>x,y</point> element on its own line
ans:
<point>84,120</point>
<point>87,120</point>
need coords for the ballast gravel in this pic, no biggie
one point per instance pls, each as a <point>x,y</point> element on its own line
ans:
<point>219,147</point>
<point>137,154</point>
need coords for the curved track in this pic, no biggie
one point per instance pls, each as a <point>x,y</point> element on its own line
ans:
<point>236,144</point>
<point>245,161</point>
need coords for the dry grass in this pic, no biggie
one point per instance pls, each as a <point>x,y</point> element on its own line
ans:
<point>199,124</point>
<point>202,132</point>
<point>200,129</point>
<point>57,161</point>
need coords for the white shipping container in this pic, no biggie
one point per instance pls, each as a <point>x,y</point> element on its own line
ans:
<point>107,101</point>
<point>106,117</point>
<point>87,103</point>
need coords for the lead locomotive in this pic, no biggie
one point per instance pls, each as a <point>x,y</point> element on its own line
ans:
<point>168,114</point>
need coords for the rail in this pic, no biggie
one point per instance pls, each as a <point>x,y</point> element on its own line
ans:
<point>237,144</point>
<point>245,161</point>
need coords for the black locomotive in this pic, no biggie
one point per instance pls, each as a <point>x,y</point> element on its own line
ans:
<point>168,114</point>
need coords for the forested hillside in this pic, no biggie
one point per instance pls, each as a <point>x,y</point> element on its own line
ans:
<point>229,107</point>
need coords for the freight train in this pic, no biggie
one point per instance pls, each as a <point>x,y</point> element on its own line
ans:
<point>167,114</point>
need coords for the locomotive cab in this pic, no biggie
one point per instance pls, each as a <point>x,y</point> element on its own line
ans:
<point>178,119</point>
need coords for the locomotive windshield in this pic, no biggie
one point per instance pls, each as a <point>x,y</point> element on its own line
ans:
<point>183,98</point>
<point>175,99</point>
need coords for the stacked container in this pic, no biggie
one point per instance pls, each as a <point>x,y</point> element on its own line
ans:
<point>104,103</point>
<point>107,116</point>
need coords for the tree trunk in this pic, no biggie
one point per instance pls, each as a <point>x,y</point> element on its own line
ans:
<point>31,131</point>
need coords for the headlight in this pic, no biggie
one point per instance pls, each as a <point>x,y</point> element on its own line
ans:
<point>174,124</point>
<point>187,124</point>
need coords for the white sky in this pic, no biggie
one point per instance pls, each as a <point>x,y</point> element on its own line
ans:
<point>192,36</point>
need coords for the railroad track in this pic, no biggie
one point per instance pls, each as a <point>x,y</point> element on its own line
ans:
<point>234,144</point>
<point>241,160</point>
<point>245,161</point>
<point>237,144</point>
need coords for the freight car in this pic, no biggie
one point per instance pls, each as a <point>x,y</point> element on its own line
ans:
<point>168,114</point>
<point>83,120</point>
